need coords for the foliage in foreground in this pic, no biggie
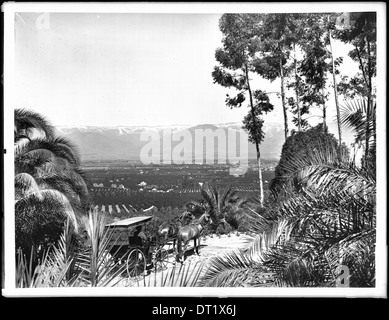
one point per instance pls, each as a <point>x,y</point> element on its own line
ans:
<point>328,221</point>
<point>71,262</point>
<point>49,185</point>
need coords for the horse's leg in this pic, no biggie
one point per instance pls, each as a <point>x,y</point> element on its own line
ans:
<point>195,246</point>
<point>198,245</point>
<point>184,251</point>
<point>179,249</point>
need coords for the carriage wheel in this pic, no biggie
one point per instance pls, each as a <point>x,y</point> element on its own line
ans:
<point>161,259</point>
<point>136,264</point>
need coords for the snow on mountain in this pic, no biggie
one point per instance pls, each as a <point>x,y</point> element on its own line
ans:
<point>124,143</point>
<point>118,129</point>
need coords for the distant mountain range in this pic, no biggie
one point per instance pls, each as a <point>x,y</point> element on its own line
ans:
<point>124,143</point>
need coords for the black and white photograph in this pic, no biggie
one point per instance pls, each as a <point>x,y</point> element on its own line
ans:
<point>193,149</point>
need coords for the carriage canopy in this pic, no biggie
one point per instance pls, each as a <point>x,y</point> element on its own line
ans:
<point>121,229</point>
<point>130,222</point>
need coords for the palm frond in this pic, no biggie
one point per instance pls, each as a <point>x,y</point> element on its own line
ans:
<point>322,170</point>
<point>67,182</point>
<point>46,150</point>
<point>25,184</point>
<point>276,232</point>
<point>357,252</point>
<point>209,198</point>
<point>232,269</point>
<point>50,272</point>
<point>354,116</point>
<point>100,268</point>
<point>27,121</point>
<point>321,154</point>
<point>180,275</point>
<point>292,264</point>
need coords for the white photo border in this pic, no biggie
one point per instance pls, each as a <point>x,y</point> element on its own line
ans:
<point>10,9</point>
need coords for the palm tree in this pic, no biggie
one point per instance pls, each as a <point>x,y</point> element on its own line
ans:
<point>49,184</point>
<point>223,204</point>
<point>327,222</point>
<point>28,123</point>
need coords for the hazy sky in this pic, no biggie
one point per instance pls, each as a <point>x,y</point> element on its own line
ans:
<point>120,69</point>
<point>124,69</point>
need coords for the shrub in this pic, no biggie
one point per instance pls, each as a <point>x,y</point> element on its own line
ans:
<point>223,228</point>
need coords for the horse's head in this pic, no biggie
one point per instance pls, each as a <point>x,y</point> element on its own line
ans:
<point>163,231</point>
<point>189,216</point>
<point>186,217</point>
<point>207,218</point>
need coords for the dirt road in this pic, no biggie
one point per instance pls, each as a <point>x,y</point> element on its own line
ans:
<point>209,247</point>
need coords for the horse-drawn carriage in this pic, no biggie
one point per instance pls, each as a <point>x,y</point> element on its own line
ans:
<point>138,255</point>
<point>152,254</point>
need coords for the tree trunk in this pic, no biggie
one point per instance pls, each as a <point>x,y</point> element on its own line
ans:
<point>297,90</point>
<point>256,143</point>
<point>324,112</point>
<point>261,195</point>
<point>367,77</point>
<point>283,99</point>
<point>335,90</point>
<point>367,142</point>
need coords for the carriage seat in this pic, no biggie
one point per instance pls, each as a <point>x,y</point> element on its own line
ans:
<point>135,241</point>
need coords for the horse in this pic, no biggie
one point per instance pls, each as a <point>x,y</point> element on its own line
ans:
<point>189,232</point>
<point>169,230</point>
